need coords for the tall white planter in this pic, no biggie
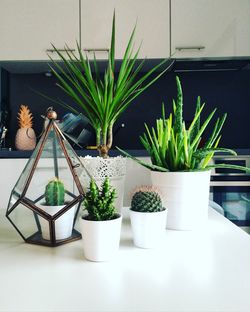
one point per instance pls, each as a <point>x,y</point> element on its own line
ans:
<point>101,239</point>
<point>148,228</point>
<point>63,225</point>
<point>185,195</point>
<point>100,168</point>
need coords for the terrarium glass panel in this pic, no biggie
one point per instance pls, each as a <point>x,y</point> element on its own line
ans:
<point>13,199</point>
<point>78,166</point>
<point>22,181</point>
<point>25,220</point>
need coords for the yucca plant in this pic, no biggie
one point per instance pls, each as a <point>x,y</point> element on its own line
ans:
<point>173,147</point>
<point>103,97</point>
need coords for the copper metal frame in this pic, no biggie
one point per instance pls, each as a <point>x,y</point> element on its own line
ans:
<point>36,238</point>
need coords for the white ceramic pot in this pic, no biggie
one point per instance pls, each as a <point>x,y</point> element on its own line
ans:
<point>63,225</point>
<point>100,168</point>
<point>101,239</point>
<point>186,196</point>
<point>148,228</point>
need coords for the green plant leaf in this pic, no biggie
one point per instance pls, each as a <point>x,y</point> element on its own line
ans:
<point>228,166</point>
<point>178,117</point>
<point>144,164</point>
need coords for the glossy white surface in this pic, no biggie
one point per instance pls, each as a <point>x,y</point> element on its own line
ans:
<point>207,270</point>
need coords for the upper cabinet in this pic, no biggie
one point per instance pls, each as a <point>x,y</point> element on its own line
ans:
<point>28,27</point>
<point>210,28</point>
<point>180,28</point>
<point>150,17</point>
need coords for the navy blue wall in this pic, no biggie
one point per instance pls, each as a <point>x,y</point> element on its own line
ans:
<point>228,91</point>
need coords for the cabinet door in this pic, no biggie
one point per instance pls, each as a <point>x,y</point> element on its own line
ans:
<point>210,28</point>
<point>152,30</point>
<point>28,27</point>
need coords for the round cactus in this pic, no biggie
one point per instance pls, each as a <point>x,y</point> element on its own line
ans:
<point>54,193</point>
<point>146,199</point>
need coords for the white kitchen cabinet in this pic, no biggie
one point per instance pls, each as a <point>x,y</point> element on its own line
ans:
<point>28,27</point>
<point>210,28</point>
<point>152,30</point>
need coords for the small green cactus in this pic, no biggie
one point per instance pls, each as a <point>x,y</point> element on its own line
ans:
<point>54,193</point>
<point>99,202</point>
<point>146,199</point>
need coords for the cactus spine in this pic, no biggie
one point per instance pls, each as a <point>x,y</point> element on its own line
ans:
<point>54,193</point>
<point>99,202</point>
<point>146,199</point>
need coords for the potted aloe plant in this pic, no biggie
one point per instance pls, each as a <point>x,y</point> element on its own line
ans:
<point>54,201</point>
<point>180,165</point>
<point>102,98</point>
<point>101,226</point>
<point>148,217</point>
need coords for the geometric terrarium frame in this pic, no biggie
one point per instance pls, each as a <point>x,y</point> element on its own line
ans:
<point>46,199</point>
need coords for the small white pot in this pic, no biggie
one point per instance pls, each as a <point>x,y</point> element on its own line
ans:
<point>186,196</point>
<point>148,228</point>
<point>63,225</point>
<point>101,239</point>
<point>100,168</point>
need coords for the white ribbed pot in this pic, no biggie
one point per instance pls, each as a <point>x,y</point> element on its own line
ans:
<point>100,168</point>
<point>148,228</point>
<point>186,196</point>
<point>101,239</point>
<point>63,225</point>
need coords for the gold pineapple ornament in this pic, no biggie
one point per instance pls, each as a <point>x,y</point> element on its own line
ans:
<point>25,137</point>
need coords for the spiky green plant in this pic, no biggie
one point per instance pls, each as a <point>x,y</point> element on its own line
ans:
<point>173,147</point>
<point>146,199</point>
<point>54,193</point>
<point>103,98</point>
<point>99,202</point>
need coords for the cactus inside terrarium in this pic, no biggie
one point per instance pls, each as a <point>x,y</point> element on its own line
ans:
<point>146,199</point>
<point>54,193</point>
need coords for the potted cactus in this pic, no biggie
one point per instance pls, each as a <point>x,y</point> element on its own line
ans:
<point>148,217</point>
<point>101,226</point>
<point>54,202</point>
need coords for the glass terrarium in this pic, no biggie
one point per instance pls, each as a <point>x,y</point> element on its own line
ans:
<point>46,199</point>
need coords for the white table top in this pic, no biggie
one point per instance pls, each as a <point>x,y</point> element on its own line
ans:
<point>206,270</point>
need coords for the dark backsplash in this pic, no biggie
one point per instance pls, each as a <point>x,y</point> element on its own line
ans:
<point>229,91</point>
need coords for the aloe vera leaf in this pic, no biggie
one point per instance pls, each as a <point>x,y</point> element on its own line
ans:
<point>144,164</point>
